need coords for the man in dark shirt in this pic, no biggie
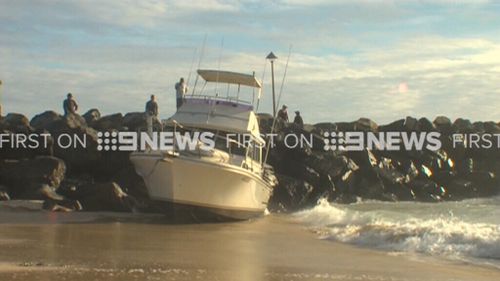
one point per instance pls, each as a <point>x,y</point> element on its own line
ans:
<point>283,114</point>
<point>69,105</point>
<point>152,106</point>
<point>298,119</point>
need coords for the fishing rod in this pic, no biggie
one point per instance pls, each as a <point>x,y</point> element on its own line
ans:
<point>199,62</point>
<point>279,98</point>
<point>191,67</point>
<point>218,66</point>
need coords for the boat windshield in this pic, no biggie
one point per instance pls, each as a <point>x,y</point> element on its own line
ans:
<point>231,143</point>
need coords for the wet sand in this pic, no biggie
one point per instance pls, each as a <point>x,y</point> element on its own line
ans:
<point>38,245</point>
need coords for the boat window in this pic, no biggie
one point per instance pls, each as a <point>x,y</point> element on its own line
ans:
<point>254,152</point>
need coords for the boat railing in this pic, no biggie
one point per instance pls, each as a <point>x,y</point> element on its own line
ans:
<point>220,98</point>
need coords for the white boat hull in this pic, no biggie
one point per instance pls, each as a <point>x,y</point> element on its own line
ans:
<point>221,189</point>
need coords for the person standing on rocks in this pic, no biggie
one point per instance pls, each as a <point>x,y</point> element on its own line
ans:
<point>181,90</point>
<point>69,105</point>
<point>298,119</point>
<point>152,107</point>
<point>283,114</point>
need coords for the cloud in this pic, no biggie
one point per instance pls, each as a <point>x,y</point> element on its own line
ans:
<point>347,61</point>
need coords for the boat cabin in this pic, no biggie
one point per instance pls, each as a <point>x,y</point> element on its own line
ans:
<point>224,105</point>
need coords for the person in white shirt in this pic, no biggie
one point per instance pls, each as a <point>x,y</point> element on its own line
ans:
<point>181,89</point>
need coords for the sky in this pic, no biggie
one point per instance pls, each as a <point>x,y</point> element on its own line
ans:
<point>380,59</point>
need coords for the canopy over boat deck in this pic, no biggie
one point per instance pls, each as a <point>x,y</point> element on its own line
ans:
<point>229,77</point>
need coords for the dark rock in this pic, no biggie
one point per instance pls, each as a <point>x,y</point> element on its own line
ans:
<point>366,161</point>
<point>444,177</point>
<point>82,155</point>
<point>369,188</point>
<point>465,167</point>
<point>91,116</point>
<point>38,144</point>
<point>461,189</point>
<point>321,128</point>
<point>346,126</point>
<point>4,126</point>
<point>45,120</point>
<point>105,197</point>
<point>425,125</point>
<point>365,125</point>
<point>443,124</point>
<point>131,182</point>
<point>463,126</point>
<point>487,183</point>
<point>16,119</point>
<point>109,122</point>
<point>401,191</point>
<point>135,121</point>
<point>290,195</point>
<point>396,126</point>
<point>388,172</point>
<point>478,127</point>
<point>72,121</point>
<point>411,124</point>
<point>17,123</point>
<point>265,122</point>
<point>25,178</point>
<point>328,163</point>
<point>491,127</point>
<point>427,190</point>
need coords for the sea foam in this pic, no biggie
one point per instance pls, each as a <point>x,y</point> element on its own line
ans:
<point>467,230</point>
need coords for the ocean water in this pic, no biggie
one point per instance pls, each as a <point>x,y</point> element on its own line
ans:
<point>467,230</point>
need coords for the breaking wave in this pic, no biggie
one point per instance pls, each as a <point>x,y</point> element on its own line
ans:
<point>467,230</point>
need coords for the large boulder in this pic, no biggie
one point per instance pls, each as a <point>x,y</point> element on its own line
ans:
<point>25,178</point>
<point>411,124</point>
<point>77,144</point>
<point>443,125</point>
<point>491,127</point>
<point>396,126</point>
<point>328,163</point>
<point>462,126</point>
<point>290,195</point>
<point>131,182</point>
<point>44,121</point>
<point>426,125</point>
<point>109,122</point>
<point>135,121</point>
<point>35,144</point>
<point>321,128</point>
<point>103,197</point>
<point>365,125</point>
<point>91,116</point>
<point>265,122</point>
<point>478,127</point>
<point>459,189</point>
<point>17,123</point>
<point>71,122</point>
<point>428,191</point>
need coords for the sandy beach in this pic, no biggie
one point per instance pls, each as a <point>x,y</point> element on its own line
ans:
<point>38,245</point>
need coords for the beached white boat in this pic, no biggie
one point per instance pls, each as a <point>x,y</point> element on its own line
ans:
<point>230,179</point>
